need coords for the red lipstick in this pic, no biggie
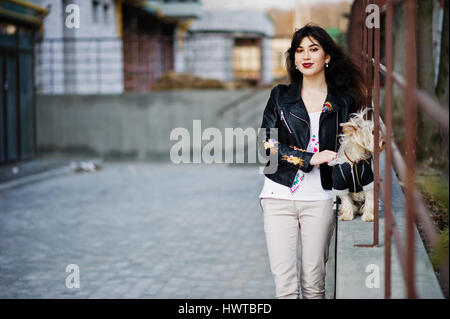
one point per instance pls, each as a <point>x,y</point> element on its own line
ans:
<point>307,65</point>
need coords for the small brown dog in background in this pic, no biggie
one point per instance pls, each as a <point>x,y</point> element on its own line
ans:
<point>352,171</point>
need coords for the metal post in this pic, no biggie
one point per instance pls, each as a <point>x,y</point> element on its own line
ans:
<point>410,124</point>
<point>376,120</point>
<point>367,62</point>
<point>335,244</point>
<point>388,151</point>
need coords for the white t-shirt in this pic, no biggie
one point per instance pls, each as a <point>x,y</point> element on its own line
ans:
<point>307,186</point>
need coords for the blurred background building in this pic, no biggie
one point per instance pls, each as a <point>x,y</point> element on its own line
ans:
<point>330,15</point>
<point>230,45</point>
<point>80,60</point>
<point>121,45</point>
<point>20,23</point>
<point>124,46</point>
<point>127,45</point>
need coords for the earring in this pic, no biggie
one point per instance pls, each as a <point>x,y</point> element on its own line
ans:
<point>326,65</point>
<point>296,68</point>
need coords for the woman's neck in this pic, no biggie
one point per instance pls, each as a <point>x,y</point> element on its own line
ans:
<point>315,82</point>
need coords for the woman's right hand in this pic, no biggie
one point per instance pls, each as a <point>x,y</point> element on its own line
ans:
<point>322,157</point>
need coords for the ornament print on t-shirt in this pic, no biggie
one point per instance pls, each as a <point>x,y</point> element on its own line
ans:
<point>313,147</point>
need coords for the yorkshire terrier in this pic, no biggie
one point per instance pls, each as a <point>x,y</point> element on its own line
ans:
<point>352,169</point>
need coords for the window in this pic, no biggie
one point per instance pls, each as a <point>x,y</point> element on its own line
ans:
<point>95,9</point>
<point>247,59</point>
<point>106,12</point>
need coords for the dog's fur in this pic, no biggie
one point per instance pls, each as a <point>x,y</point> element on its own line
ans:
<point>357,140</point>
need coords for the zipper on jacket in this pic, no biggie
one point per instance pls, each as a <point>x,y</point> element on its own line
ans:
<point>298,117</point>
<point>285,122</point>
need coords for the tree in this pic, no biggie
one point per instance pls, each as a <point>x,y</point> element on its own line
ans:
<point>429,137</point>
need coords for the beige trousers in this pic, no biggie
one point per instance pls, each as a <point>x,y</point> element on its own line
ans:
<point>283,220</point>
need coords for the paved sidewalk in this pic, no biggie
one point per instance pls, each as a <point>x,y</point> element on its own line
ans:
<point>137,230</point>
<point>358,265</point>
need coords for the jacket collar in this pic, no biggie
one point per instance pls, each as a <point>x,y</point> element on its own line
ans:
<point>294,95</point>
<point>294,92</point>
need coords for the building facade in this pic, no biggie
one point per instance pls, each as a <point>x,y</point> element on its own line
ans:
<point>116,46</point>
<point>20,25</point>
<point>229,45</point>
<point>80,57</point>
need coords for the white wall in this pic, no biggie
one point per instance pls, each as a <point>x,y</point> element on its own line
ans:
<point>84,66</point>
<point>210,56</point>
<point>267,74</point>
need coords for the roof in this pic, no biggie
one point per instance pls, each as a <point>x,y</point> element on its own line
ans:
<point>233,21</point>
<point>174,9</point>
<point>23,11</point>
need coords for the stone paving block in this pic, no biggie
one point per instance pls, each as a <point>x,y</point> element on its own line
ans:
<point>166,231</point>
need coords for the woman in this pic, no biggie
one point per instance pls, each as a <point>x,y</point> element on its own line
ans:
<point>326,87</point>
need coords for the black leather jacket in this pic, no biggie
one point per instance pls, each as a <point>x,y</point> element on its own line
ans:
<point>286,111</point>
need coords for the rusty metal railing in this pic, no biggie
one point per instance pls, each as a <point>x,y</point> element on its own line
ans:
<point>416,211</point>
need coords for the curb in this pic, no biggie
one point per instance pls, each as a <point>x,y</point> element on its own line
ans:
<point>33,178</point>
<point>36,177</point>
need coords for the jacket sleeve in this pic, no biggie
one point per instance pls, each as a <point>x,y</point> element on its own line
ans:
<point>288,155</point>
